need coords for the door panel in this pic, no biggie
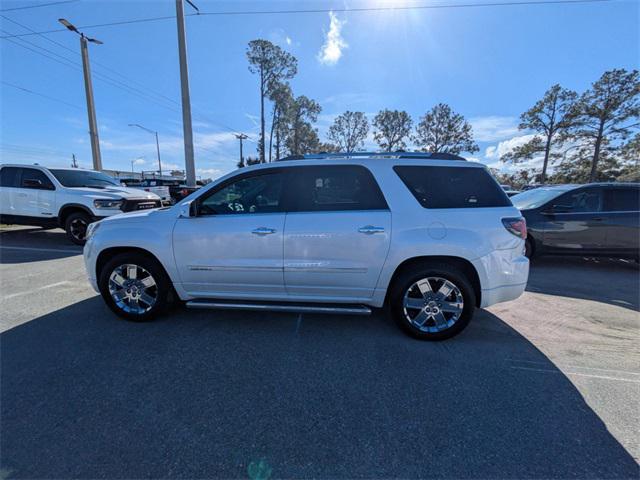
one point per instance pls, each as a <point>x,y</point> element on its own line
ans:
<point>232,247</point>
<point>220,254</point>
<point>36,201</point>
<point>335,254</point>
<point>575,222</point>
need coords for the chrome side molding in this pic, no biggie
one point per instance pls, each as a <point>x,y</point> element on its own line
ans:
<point>280,307</point>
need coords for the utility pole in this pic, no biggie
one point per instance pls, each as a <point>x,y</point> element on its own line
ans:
<point>74,164</point>
<point>241,137</point>
<point>157,143</point>
<point>190,167</point>
<point>88,88</point>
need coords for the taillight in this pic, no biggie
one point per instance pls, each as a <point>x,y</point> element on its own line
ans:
<point>516,226</point>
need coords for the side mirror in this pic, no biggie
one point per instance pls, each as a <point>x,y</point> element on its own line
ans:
<point>188,210</point>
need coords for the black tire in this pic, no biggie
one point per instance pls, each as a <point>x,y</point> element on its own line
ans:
<point>442,271</point>
<point>76,227</point>
<point>529,252</point>
<point>162,291</point>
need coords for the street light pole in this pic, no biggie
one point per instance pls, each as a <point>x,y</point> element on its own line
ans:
<point>88,88</point>
<point>157,143</point>
<point>190,168</point>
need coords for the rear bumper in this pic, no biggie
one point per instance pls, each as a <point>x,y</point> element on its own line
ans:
<point>501,294</point>
<point>506,273</point>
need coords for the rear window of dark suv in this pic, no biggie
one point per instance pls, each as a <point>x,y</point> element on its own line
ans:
<point>452,187</point>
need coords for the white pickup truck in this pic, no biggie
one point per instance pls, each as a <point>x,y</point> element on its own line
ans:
<point>70,198</point>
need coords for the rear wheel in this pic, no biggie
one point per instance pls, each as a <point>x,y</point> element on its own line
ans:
<point>433,302</point>
<point>135,286</point>
<point>76,227</point>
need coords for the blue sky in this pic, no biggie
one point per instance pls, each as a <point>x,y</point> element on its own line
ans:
<point>488,63</point>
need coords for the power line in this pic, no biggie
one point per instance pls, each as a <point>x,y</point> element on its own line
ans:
<point>37,6</point>
<point>40,94</point>
<point>327,10</point>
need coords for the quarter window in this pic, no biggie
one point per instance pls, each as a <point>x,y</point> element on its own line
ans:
<point>256,194</point>
<point>333,188</point>
<point>9,177</point>
<point>453,187</point>
<point>622,200</point>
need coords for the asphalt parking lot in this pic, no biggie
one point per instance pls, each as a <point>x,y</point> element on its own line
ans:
<point>547,386</point>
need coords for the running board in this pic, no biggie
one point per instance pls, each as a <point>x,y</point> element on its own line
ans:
<point>346,309</point>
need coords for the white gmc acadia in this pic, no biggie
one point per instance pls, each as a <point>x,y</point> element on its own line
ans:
<point>430,237</point>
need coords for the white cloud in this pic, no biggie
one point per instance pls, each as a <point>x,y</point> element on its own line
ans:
<point>493,128</point>
<point>139,161</point>
<point>334,44</point>
<point>212,173</point>
<point>496,151</point>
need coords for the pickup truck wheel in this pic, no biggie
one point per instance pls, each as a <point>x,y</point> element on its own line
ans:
<point>76,227</point>
<point>432,302</point>
<point>135,287</point>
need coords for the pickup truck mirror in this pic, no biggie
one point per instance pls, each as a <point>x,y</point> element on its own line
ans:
<point>188,210</point>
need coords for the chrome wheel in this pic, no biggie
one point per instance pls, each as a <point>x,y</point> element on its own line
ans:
<point>78,229</point>
<point>133,289</point>
<point>433,304</point>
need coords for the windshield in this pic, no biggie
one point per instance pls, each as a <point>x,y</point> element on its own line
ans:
<point>84,178</point>
<point>535,198</point>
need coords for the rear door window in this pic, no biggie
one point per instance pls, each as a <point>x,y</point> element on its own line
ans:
<point>10,177</point>
<point>38,176</point>
<point>333,188</point>
<point>453,187</point>
<point>622,200</point>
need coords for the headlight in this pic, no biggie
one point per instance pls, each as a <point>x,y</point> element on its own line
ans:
<point>91,230</point>
<point>107,203</point>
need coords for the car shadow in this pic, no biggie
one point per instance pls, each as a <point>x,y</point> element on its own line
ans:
<point>33,244</point>
<point>616,282</point>
<point>229,394</point>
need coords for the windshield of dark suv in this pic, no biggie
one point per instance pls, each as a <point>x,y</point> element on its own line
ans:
<point>84,178</point>
<point>535,198</point>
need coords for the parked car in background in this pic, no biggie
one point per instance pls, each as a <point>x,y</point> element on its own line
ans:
<point>70,198</point>
<point>430,235</point>
<point>598,219</point>
<point>170,191</point>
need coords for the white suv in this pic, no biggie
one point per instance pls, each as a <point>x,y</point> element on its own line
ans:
<point>430,236</point>
<point>67,197</point>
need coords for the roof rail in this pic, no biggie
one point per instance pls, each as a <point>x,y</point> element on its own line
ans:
<point>416,155</point>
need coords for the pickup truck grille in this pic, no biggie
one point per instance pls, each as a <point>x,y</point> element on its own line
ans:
<point>133,205</point>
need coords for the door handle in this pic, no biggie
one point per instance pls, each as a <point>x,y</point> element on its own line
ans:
<point>370,229</point>
<point>263,231</point>
<point>22,194</point>
<point>598,219</point>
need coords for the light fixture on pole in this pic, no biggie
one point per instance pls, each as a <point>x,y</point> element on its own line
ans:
<point>157,143</point>
<point>88,87</point>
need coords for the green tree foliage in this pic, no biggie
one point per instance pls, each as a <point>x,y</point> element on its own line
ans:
<point>391,128</point>
<point>282,98</point>
<point>606,115</point>
<point>551,117</point>
<point>349,131</point>
<point>443,131</point>
<point>274,66</point>
<point>299,135</point>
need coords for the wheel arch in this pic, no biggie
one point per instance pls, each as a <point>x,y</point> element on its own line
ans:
<point>108,253</point>
<point>70,208</point>
<point>462,264</point>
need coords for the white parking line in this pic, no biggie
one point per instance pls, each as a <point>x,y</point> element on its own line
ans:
<point>603,377</point>
<point>32,291</point>
<point>32,249</point>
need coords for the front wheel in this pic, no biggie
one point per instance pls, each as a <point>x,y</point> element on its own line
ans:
<point>433,302</point>
<point>76,227</point>
<point>135,286</point>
